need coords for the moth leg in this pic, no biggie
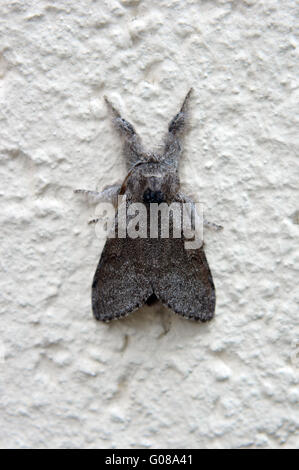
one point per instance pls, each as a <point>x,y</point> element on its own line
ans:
<point>212,225</point>
<point>109,194</point>
<point>181,197</point>
<point>186,199</point>
<point>92,196</point>
<point>95,221</point>
<point>176,128</point>
<point>132,147</point>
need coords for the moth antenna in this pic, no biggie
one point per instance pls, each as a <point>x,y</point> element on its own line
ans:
<point>132,146</point>
<point>176,128</point>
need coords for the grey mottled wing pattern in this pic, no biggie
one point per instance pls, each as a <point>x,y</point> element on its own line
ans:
<point>120,284</point>
<point>184,281</point>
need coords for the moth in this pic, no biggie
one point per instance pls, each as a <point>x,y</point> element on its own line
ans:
<point>135,271</point>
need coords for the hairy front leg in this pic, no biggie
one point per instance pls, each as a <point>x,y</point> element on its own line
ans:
<point>206,223</point>
<point>176,128</point>
<point>109,194</point>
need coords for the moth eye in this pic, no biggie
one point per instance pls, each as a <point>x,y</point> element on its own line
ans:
<point>159,197</point>
<point>153,196</point>
<point>147,195</point>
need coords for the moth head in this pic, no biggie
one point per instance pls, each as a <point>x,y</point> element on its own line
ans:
<point>152,182</point>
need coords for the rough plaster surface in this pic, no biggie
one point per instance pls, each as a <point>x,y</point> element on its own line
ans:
<point>154,379</point>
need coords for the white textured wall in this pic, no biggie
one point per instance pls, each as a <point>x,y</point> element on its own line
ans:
<point>154,379</point>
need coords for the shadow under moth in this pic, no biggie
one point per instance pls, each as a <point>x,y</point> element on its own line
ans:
<point>139,270</point>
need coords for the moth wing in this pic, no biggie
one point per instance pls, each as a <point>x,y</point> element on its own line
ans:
<point>119,285</point>
<point>184,281</point>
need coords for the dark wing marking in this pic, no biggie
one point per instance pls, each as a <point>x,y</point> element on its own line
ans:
<point>120,284</point>
<point>184,281</point>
